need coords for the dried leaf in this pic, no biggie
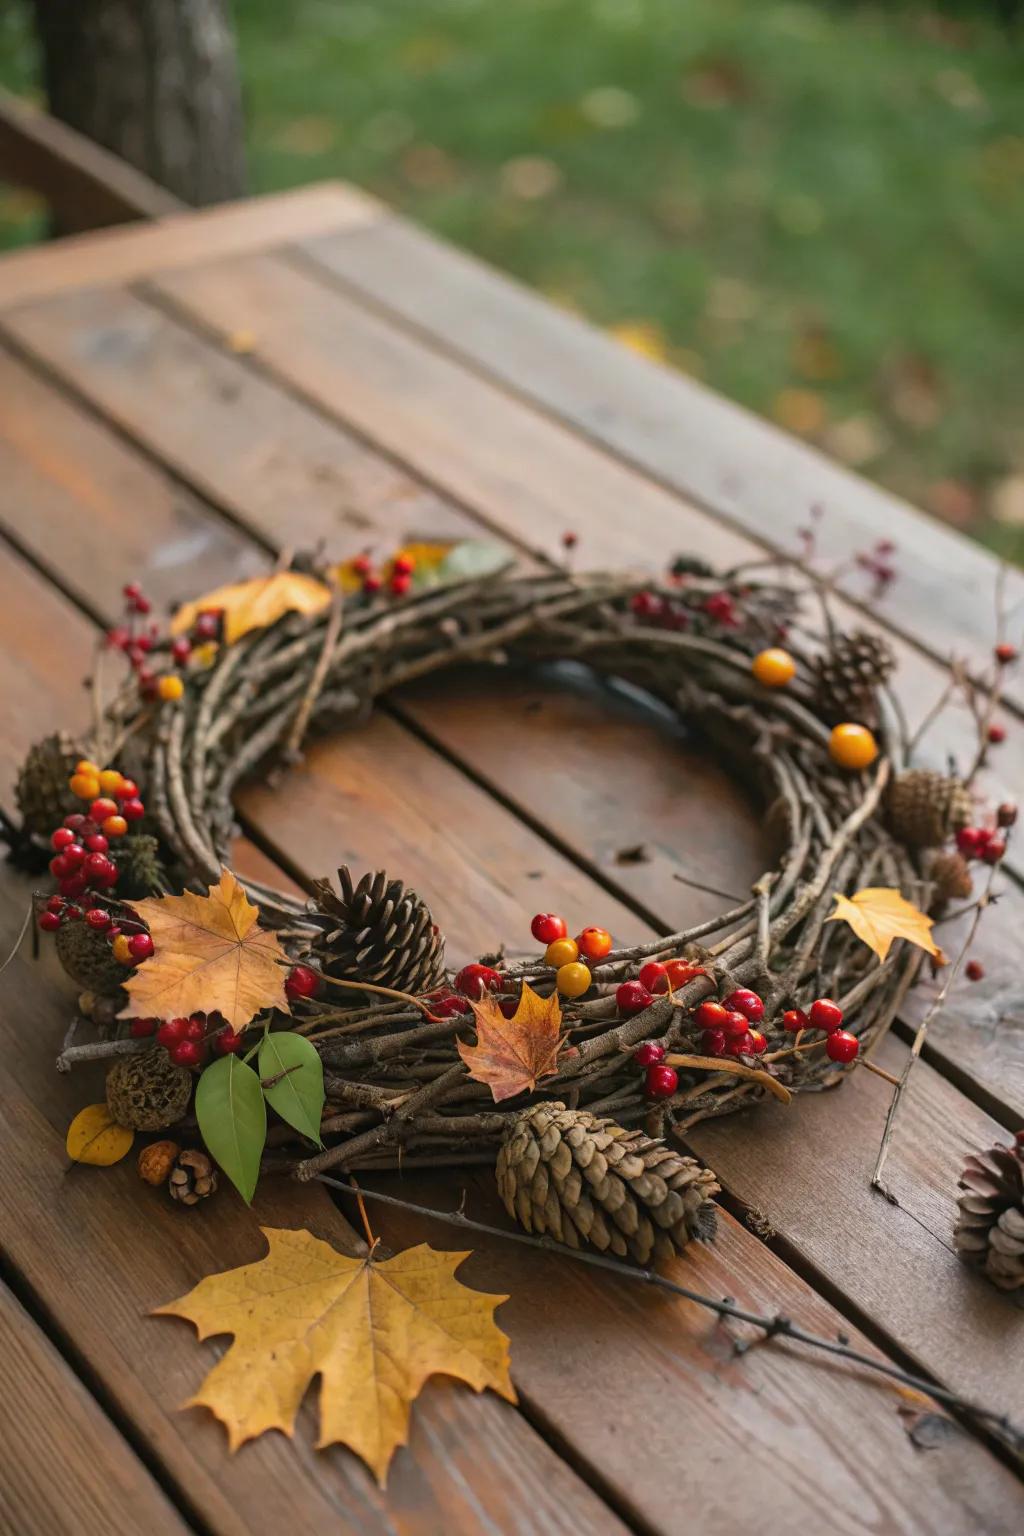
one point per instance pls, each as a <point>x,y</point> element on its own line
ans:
<point>878,914</point>
<point>95,1137</point>
<point>211,956</point>
<point>256,604</point>
<point>514,1054</point>
<point>373,1331</point>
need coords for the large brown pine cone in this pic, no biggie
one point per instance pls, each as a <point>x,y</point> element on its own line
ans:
<point>377,931</point>
<point>582,1179</point>
<point>925,807</point>
<point>849,675</point>
<point>41,789</point>
<point>990,1230</point>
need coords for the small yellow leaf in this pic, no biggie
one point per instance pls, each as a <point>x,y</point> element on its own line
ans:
<point>514,1054</point>
<point>878,914</point>
<point>373,1331</point>
<point>256,604</point>
<point>95,1137</point>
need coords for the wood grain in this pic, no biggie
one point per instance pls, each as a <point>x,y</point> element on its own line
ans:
<point>48,1420</point>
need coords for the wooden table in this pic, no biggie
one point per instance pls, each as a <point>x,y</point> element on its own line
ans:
<point>182,400</point>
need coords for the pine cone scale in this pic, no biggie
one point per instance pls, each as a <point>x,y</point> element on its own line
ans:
<point>377,931</point>
<point>990,1230</point>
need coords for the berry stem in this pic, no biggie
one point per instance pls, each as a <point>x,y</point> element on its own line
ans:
<point>727,1064</point>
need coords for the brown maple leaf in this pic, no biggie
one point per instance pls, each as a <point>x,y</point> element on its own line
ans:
<point>255,604</point>
<point>210,956</point>
<point>512,1055</point>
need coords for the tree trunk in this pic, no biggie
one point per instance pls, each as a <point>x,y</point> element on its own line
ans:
<point>154,81</point>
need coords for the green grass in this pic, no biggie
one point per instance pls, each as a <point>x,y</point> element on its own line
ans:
<point>818,208</point>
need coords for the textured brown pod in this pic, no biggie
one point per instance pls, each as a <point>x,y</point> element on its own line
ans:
<point>156,1161</point>
<point>147,1092</point>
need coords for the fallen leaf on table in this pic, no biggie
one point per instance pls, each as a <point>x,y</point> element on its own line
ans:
<point>210,956</point>
<point>514,1054</point>
<point>95,1137</point>
<point>256,604</point>
<point>373,1331</point>
<point>878,914</point>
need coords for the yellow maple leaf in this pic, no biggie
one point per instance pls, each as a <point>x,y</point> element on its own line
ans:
<point>878,914</point>
<point>514,1054</point>
<point>95,1137</point>
<point>210,955</point>
<point>374,1331</point>
<point>256,604</point>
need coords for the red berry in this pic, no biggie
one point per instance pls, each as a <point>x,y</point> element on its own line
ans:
<point>302,982</point>
<point>75,821</point>
<point>61,838</point>
<point>132,809</point>
<point>128,790</point>
<point>735,1023</point>
<point>400,583</point>
<point>141,1029</point>
<point>758,1042</point>
<point>195,1028</point>
<point>660,1082</point>
<point>48,921</point>
<point>649,1053</point>
<point>73,914</point>
<point>647,605</point>
<point>825,1014</point>
<point>207,624</point>
<point>1006,815</point>
<point>570,540</point>
<point>632,997</point>
<point>98,918</point>
<point>841,1046</point>
<point>226,1042</point>
<point>141,946</point>
<point>993,850</point>
<point>102,808</point>
<point>142,604</point>
<point>72,886</point>
<point>547,927</point>
<point>740,1045</point>
<point>56,904</point>
<point>594,943</point>
<point>118,638</point>
<point>403,565</point>
<point>654,976</point>
<point>974,970</point>
<point>448,1006</point>
<point>971,840</point>
<point>362,565</point>
<point>795,1019</point>
<point>679,972</point>
<point>720,607</point>
<point>1005,653</point>
<point>712,1042</point>
<point>711,1015</point>
<point>97,843</point>
<point>59,866</point>
<point>171,1031</point>
<point>746,1002</point>
<point>131,590</point>
<point>96,865</point>
<point>181,649</point>
<point>371,584</point>
<point>141,646</point>
<point>996,733</point>
<point>73,855</point>
<point>475,980</point>
<point>186,1053</point>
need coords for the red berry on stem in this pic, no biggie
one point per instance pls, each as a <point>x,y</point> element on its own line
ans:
<point>971,840</point>
<point>59,866</point>
<point>795,1019</point>
<point>132,809</point>
<point>371,584</point>
<point>711,1015</point>
<point>195,1028</point>
<point>48,921</point>
<point>171,1031</point>
<point>1005,653</point>
<point>974,970</point>
<point>679,972</point>
<point>74,855</point>
<point>547,927</point>
<point>474,980</point>
<point>1006,815</point>
<point>95,867</point>
<point>141,946</point>
<point>735,1023</point>
<point>128,790</point>
<point>130,591</point>
<point>712,1042</point>
<point>187,1053</point>
<point>102,808</point>
<point>740,1045</point>
<point>75,821</point>
<point>181,649</point>
<point>746,1002</point>
<point>141,1029</point>
<point>226,1042</point>
<point>996,733</point>
<point>841,1046</point>
<point>654,976</point>
<point>570,540</point>
<point>660,1082</point>
<point>118,638</point>
<point>403,565</point>
<point>648,1053</point>
<point>825,1014</point>
<point>647,605</point>
<point>448,1006</point>
<point>632,997</point>
<point>720,607</point>
<point>97,843</point>
<point>72,886</point>
<point>401,581</point>
<point>207,624</point>
<point>993,850</point>
<point>61,838</point>
<point>362,565</point>
<point>302,982</point>
<point>56,904</point>
<point>758,1042</point>
<point>99,918</point>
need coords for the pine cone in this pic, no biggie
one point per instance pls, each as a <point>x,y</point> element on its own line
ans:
<point>193,1177</point>
<point>583,1179</point>
<point>951,875</point>
<point>147,1092</point>
<point>86,955</point>
<point>926,807</point>
<point>990,1231</point>
<point>378,931</point>
<point>41,790</point>
<point>849,676</point>
<point>138,864</point>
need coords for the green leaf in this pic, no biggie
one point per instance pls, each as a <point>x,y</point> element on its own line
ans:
<point>472,559</point>
<point>233,1120</point>
<point>293,1067</point>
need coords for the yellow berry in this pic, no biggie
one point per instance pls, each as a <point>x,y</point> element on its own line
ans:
<point>115,826</point>
<point>170,687</point>
<point>88,766</point>
<point>573,979</point>
<point>121,951</point>
<point>111,781</point>
<point>852,746</point>
<point>561,952</point>
<point>205,655</point>
<point>773,668</point>
<point>85,785</point>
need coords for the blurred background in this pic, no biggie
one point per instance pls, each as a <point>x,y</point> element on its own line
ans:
<point>816,207</point>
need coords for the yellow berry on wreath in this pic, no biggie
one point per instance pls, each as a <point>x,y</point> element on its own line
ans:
<point>86,765</point>
<point>773,668</point>
<point>852,746</point>
<point>573,979</point>
<point>86,786</point>
<point>122,951</point>
<point>110,781</point>
<point>170,688</point>
<point>561,952</point>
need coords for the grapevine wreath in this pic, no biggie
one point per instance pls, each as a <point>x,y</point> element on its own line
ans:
<point>576,1070</point>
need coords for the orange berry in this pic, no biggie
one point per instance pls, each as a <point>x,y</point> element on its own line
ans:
<point>773,668</point>
<point>87,766</point>
<point>852,746</point>
<point>595,943</point>
<point>573,979</point>
<point>115,826</point>
<point>122,953</point>
<point>561,952</point>
<point>85,785</point>
<point>170,688</point>
<point>111,781</point>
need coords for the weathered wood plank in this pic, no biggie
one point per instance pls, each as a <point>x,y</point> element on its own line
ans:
<point>710,450</point>
<point>50,1422</point>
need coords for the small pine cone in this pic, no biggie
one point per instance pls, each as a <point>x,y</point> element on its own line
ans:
<point>925,807</point>
<point>41,790</point>
<point>951,876</point>
<point>990,1230</point>
<point>377,931</point>
<point>193,1177</point>
<point>849,675</point>
<point>583,1179</point>
<point>146,1091</point>
<point>86,955</point>
<point>139,869</point>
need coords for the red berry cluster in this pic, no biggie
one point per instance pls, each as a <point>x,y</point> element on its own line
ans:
<point>189,1041</point>
<point>399,581</point>
<point>659,612</point>
<point>827,1016</point>
<point>726,1025</point>
<point>655,977</point>
<point>81,862</point>
<point>984,842</point>
<point>878,562</point>
<point>660,1080</point>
